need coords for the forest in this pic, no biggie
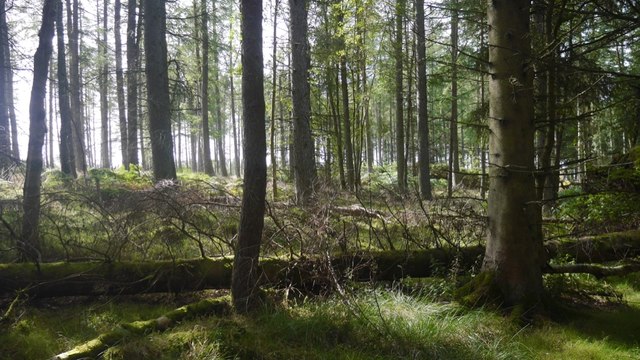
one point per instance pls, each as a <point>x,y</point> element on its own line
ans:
<point>328,179</point>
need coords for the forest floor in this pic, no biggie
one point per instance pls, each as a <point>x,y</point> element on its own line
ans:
<point>589,319</point>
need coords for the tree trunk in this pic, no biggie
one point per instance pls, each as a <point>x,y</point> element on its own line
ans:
<point>423,120</point>
<point>399,56</point>
<point>7,86</point>
<point>73,32</point>
<point>133,56</point>
<point>244,282</point>
<point>220,126</point>
<point>514,249</point>
<point>103,80</point>
<point>67,155</point>
<point>29,245</point>
<point>155,44</point>
<point>236,155</point>
<point>454,163</point>
<point>274,87</point>
<point>5,135</point>
<point>303,146</point>
<point>204,78</point>
<point>348,144</point>
<point>122,111</point>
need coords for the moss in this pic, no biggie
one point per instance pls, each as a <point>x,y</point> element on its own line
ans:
<point>479,291</point>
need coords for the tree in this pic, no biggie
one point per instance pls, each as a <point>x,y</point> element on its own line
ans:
<point>220,133</point>
<point>303,147</point>
<point>244,281</point>
<point>7,89</point>
<point>29,245</point>
<point>132,84</point>
<point>73,31</point>
<point>514,249</point>
<point>67,155</point>
<point>122,111</point>
<point>400,155</point>
<point>5,138</point>
<point>155,45</point>
<point>206,139</point>
<point>103,81</point>
<point>423,123</point>
<point>454,161</point>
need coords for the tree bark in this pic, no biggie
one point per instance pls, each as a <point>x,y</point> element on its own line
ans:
<point>454,162</point>
<point>274,88</point>
<point>7,88</point>
<point>5,135</point>
<point>67,155</point>
<point>399,56</point>
<point>514,248</point>
<point>303,147</point>
<point>423,115</point>
<point>122,111</point>
<point>29,245</point>
<point>103,81</point>
<point>155,44</point>
<point>204,78</point>
<point>244,282</point>
<point>220,125</point>
<point>346,115</point>
<point>133,56</point>
<point>73,32</point>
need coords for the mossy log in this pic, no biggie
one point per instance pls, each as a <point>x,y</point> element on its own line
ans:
<point>316,274</point>
<point>597,270</point>
<point>93,278</point>
<point>600,248</point>
<point>93,348</point>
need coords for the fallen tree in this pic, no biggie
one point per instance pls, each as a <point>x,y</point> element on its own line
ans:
<point>93,348</point>
<point>310,274</point>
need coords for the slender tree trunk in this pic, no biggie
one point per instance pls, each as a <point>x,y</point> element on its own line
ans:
<point>155,44</point>
<point>244,280</point>
<point>514,248</point>
<point>399,56</point>
<point>236,155</point>
<point>454,162</point>
<point>220,125</point>
<point>29,245</point>
<point>5,134</point>
<point>103,80</point>
<point>49,137</point>
<point>73,32</point>
<point>303,146</point>
<point>7,88</point>
<point>133,69</point>
<point>204,78</point>
<point>67,155</point>
<point>274,88</point>
<point>423,120</point>
<point>122,111</point>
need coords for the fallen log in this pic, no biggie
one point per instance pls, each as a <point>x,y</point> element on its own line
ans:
<point>315,274</point>
<point>93,348</point>
<point>600,248</point>
<point>94,278</point>
<point>597,270</point>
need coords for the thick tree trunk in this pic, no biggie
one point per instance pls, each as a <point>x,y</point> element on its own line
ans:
<point>204,78</point>
<point>303,146</point>
<point>514,248</point>
<point>155,44</point>
<point>423,121</point>
<point>122,111</point>
<point>133,55</point>
<point>29,245</point>
<point>67,155</point>
<point>244,283</point>
<point>399,56</point>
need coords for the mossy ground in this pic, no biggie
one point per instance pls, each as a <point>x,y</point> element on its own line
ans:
<point>400,322</point>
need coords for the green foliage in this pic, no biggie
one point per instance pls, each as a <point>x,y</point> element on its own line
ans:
<point>601,212</point>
